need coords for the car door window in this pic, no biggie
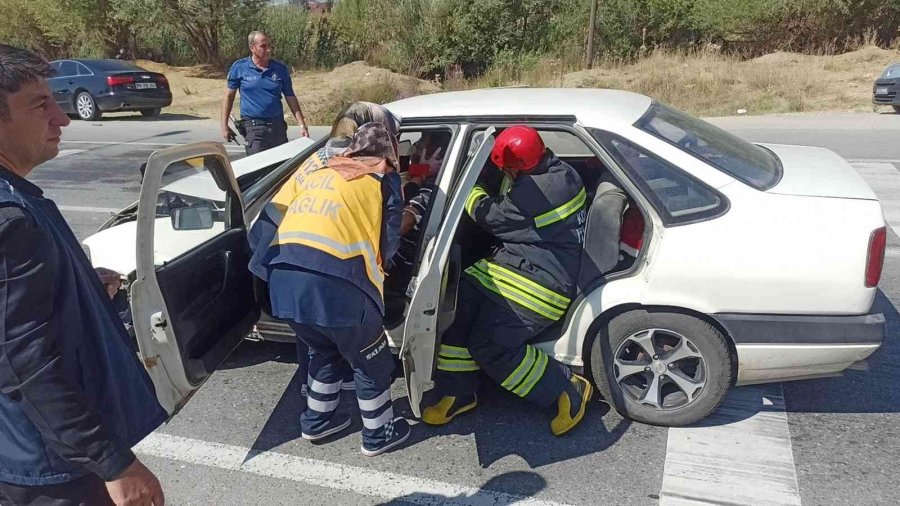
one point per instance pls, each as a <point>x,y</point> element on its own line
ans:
<point>193,298</point>
<point>84,71</point>
<point>68,69</point>
<point>678,197</point>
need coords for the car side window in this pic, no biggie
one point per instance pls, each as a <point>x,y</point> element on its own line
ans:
<point>68,69</point>
<point>84,71</point>
<point>677,196</point>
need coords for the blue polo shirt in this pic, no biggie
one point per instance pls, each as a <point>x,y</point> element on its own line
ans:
<point>260,89</point>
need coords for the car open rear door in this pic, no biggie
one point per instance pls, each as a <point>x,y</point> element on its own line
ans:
<point>433,304</point>
<point>192,300</point>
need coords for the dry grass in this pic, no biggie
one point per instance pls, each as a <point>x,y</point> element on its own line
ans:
<point>705,83</point>
<point>322,94</point>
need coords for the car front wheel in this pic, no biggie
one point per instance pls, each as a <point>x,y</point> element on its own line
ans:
<point>661,368</point>
<point>86,107</point>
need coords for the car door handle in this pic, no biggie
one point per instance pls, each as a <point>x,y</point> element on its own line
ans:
<point>71,82</point>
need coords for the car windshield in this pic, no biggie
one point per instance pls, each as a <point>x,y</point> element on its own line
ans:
<point>893,71</point>
<point>754,165</point>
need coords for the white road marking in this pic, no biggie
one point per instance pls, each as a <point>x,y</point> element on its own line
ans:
<point>88,209</point>
<point>884,178</point>
<point>740,455</point>
<point>353,479</point>
<point>67,152</point>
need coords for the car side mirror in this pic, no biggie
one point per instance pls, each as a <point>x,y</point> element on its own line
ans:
<point>192,218</point>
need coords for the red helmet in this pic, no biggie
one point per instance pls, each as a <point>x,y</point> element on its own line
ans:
<point>518,147</point>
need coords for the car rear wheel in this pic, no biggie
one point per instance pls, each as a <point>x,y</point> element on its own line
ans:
<point>661,368</point>
<point>897,109</point>
<point>151,112</point>
<point>86,107</point>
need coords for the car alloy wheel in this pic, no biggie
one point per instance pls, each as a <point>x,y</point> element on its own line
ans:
<point>86,107</point>
<point>659,368</point>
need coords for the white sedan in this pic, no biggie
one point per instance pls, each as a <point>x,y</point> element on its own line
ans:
<point>756,263</point>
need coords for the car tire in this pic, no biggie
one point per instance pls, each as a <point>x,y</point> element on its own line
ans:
<point>896,109</point>
<point>151,112</point>
<point>86,107</point>
<point>704,366</point>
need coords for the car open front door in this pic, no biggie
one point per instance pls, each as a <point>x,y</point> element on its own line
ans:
<point>433,304</point>
<point>192,300</point>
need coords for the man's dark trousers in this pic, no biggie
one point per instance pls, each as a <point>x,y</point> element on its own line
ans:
<point>88,490</point>
<point>263,134</point>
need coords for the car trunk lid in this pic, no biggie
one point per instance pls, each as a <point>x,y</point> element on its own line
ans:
<point>148,82</point>
<point>818,172</point>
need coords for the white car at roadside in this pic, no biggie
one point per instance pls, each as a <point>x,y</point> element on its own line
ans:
<point>758,263</point>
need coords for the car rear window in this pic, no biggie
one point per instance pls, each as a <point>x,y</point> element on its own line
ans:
<point>678,197</point>
<point>893,71</point>
<point>746,162</point>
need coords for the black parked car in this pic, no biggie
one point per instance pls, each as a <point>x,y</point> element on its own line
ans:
<point>88,88</point>
<point>886,87</point>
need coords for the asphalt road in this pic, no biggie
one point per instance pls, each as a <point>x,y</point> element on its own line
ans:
<point>237,441</point>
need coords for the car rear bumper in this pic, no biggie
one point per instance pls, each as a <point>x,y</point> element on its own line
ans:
<point>782,347</point>
<point>133,100</point>
<point>890,95</point>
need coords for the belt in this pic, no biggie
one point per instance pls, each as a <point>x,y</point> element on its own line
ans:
<point>259,122</point>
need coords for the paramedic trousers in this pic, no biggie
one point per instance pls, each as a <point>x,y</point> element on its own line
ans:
<point>489,337</point>
<point>363,348</point>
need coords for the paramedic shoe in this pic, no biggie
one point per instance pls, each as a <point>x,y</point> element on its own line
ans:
<point>448,407</point>
<point>571,405</point>
<point>392,434</point>
<point>322,430</point>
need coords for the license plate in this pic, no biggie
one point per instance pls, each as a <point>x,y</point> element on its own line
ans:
<point>881,91</point>
<point>145,86</point>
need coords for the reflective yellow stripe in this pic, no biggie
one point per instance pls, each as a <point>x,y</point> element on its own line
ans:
<point>477,194</point>
<point>537,372</point>
<point>525,365</point>
<point>451,365</point>
<point>516,296</point>
<point>526,284</point>
<point>344,251</point>
<point>562,212</point>
<point>505,184</point>
<point>454,351</point>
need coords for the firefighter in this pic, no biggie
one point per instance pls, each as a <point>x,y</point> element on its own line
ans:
<point>527,285</point>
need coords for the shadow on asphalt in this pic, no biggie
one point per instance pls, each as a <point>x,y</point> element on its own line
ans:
<point>503,424</point>
<point>164,116</point>
<point>874,391</point>
<point>517,484</point>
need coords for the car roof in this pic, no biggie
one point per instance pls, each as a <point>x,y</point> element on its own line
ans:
<point>592,107</point>
<point>108,64</point>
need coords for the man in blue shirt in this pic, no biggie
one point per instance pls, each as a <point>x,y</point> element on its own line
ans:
<point>74,398</point>
<point>262,81</point>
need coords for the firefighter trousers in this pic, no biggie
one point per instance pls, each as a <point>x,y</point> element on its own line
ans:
<point>489,337</point>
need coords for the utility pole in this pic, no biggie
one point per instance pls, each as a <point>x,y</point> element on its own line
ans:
<point>589,58</point>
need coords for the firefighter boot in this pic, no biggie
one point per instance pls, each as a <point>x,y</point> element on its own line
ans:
<point>571,405</point>
<point>448,407</point>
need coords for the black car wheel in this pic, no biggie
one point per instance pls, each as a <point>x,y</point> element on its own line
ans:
<point>661,368</point>
<point>86,108</point>
<point>897,109</point>
<point>151,112</point>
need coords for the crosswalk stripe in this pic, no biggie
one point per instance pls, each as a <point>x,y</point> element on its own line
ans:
<point>739,455</point>
<point>359,480</point>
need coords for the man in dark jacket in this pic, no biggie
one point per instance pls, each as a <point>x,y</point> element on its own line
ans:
<point>74,398</point>
<point>526,286</point>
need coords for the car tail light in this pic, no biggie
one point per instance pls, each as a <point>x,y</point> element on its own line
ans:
<point>875,260</point>
<point>163,81</point>
<point>119,80</point>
